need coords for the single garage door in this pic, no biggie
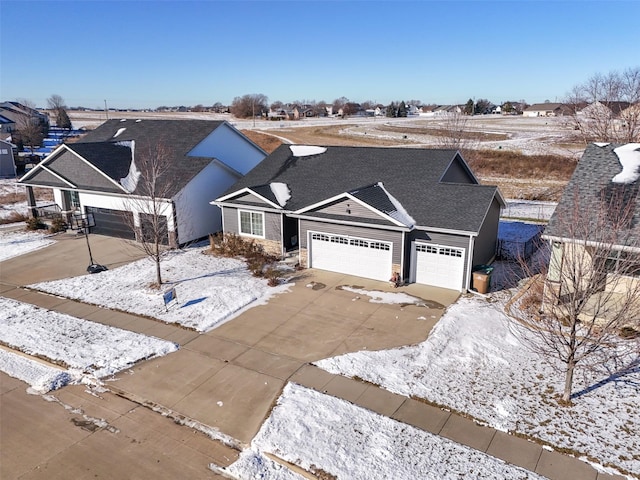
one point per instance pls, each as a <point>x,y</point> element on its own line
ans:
<point>439,266</point>
<point>353,256</point>
<point>114,223</point>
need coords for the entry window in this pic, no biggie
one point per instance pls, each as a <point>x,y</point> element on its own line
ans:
<point>252,223</point>
<point>75,199</point>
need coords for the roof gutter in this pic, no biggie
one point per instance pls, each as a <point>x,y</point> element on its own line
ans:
<point>591,243</point>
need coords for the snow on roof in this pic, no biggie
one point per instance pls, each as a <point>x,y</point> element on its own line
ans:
<point>120,130</point>
<point>629,156</point>
<point>281,192</point>
<point>130,182</point>
<point>306,150</point>
<point>600,144</point>
<point>400,214</point>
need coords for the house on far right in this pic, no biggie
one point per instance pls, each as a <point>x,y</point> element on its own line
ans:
<point>594,233</point>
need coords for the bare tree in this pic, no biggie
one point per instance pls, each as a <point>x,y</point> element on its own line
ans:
<point>57,105</point>
<point>605,107</point>
<point>453,132</point>
<point>151,188</point>
<point>30,132</point>
<point>576,309</point>
<point>249,105</point>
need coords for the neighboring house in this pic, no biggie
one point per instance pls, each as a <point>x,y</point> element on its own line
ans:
<point>369,212</point>
<point>602,192</point>
<point>6,124</point>
<point>604,109</point>
<point>7,164</point>
<point>19,114</point>
<point>99,175</point>
<point>546,110</point>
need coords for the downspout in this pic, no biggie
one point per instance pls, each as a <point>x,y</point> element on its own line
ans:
<point>469,262</point>
<point>282,247</point>
<point>402,259</point>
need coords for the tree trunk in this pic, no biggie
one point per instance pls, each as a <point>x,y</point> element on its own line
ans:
<point>157,259</point>
<point>568,381</point>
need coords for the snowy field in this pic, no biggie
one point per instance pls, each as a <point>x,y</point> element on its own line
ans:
<point>472,362</point>
<point>528,209</point>
<point>85,349</point>
<point>209,289</point>
<point>321,433</point>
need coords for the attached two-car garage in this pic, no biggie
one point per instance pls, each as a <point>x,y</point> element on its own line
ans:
<point>351,255</point>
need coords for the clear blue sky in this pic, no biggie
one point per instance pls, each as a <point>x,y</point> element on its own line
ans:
<point>152,53</point>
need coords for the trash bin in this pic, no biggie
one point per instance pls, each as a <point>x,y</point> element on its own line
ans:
<point>482,278</point>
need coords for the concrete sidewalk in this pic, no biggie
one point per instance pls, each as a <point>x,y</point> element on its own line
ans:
<point>230,377</point>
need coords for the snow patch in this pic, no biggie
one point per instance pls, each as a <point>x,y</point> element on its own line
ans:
<point>306,150</point>
<point>629,157</point>
<point>400,214</point>
<point>130,182</point>
<point>601,144</point>
<point>319,432</point>
<point>42,378</point>
<point>282,192</point>
<point>119,132</point>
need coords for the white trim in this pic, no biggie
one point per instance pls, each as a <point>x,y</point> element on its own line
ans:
<point>54,155</point>
<point>464,233</point>
<point>245,190</point>
<point>349,238</point>
<point>348,196</point>
<point>467,274</point>
<point>591,243</point>
<point>264,225</point>
<point>47,169</point>
<point>353,224</point>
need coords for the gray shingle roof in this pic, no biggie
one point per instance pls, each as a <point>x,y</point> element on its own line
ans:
<point>412,176</point>
<point>100,147</point>
<point>589,193</point>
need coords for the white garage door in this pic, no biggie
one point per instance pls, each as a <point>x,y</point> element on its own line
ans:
<point>354,256</point>
<point>439,266</point>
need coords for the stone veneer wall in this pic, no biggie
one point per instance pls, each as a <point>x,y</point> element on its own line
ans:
<point>271,247</point>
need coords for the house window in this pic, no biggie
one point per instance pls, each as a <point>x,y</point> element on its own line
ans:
<point>75,199</point>
<point>623,263</point>
<point>252,223</point>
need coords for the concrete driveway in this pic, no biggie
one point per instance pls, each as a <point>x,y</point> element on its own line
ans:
<point>226,379</point>
<point>230,377</point>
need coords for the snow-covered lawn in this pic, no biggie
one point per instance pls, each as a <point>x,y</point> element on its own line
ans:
<point>85,348</point>
<point>472,362</point>
<point>210,289</point>
<point>13,244</point>
<point>42,378</point>
<point>324,434</point>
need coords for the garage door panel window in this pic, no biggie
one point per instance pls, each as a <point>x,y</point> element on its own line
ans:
<point>352,256</point>
<point>439,266</point>
<point>252,223</point>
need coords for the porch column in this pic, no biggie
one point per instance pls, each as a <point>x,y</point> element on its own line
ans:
<point>31,203</point>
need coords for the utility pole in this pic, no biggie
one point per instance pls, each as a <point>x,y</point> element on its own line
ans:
<point>106,110</point>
